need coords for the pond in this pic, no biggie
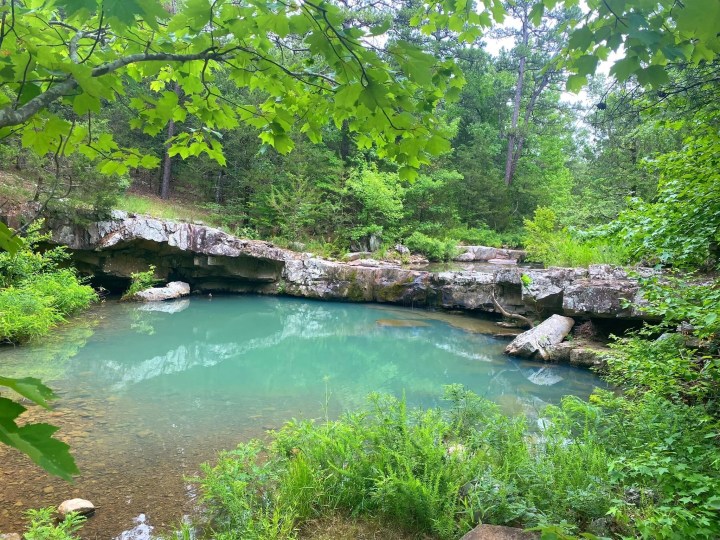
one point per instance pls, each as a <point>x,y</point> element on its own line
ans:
<point>148,392</point>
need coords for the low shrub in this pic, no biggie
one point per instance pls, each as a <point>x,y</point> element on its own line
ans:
<point>141,281</point>
<point>35,293</point>
<point>43,525</point>
<point>432,248</point>
<point>64,291</point>
<point>25,314</point>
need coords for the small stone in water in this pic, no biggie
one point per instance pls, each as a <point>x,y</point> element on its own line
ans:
<point>80,506</point>
<point>48,489</point>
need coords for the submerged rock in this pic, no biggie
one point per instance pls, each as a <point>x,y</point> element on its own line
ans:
<point>171,291</point>
<point>81,506</point>
<point>401,323</point>
<point>538,340</point>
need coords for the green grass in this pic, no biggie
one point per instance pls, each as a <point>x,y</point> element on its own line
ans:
<point>165,209</point>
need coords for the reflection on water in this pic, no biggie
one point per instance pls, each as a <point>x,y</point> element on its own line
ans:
<point>159,388</point>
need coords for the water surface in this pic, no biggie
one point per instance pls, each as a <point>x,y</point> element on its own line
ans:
<point>148,392</point>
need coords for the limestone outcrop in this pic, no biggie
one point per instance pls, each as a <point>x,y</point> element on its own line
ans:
<point>211,260</point>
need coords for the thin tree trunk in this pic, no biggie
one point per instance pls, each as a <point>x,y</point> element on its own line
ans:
<point>167,164</point>
<point>517,102</point>
<point>218,187</point>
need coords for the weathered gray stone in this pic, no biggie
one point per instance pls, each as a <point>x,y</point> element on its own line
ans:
<point>81,506</point>
<point>171,291</point>
<point>485,253</point>
<point>498,532</point>
<point>578,352</point>
<point>538,340</point>
<point>355,255</point>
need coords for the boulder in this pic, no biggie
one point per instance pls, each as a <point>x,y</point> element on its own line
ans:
<point>171,291</point>
<point>81,506</point>
<point>10,536</point>
<point>498,532</point>
<point>538,340</point>
<point>579,352</point>
<point>402,250</point>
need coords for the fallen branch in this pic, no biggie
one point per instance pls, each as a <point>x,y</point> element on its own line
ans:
<point>514,316</point>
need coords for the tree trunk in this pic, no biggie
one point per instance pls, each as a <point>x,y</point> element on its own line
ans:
<point>167,164</point>
<point>512,152</point>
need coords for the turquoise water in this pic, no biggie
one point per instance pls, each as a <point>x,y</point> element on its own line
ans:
<point>148,392</point>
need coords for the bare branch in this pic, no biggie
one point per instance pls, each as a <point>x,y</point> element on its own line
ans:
<point>514,316</point>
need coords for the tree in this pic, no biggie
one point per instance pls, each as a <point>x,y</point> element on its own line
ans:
<point>539,42</point>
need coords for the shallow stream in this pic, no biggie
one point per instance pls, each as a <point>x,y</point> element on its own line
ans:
<point>149,392</point>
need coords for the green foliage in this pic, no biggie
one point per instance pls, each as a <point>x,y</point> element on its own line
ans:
<point>34,440</point>
<point>651,34</point>
<point>662,455</point>
<point>43,526</point>
<point>432,248</point>
<point>682,226</point>
<point>141,281</point>
<point>378,198</point>
<point>546,243</point>
<point>35,294</point>
<point>433,472</point>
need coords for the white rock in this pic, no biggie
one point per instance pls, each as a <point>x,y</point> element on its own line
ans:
<point>174,289</point>
<point>81,506</point>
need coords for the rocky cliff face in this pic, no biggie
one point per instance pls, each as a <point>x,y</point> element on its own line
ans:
<point>211,260</point>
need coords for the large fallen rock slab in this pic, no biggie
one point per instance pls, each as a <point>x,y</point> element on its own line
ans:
<point>537,341</point>
<point>171,291</point>
<point>498,532</point>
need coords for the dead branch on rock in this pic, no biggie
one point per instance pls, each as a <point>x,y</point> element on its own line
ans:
<point>513,316</point>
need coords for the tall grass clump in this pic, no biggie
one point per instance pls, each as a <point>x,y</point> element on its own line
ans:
<point>35,292</point>
<point>434,472</point>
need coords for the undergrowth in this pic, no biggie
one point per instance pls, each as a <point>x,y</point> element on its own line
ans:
<point>609,467</point>
<point>551,245</point>
<point>141,281</point>
<point>35,292</point>
<point>43,525</point>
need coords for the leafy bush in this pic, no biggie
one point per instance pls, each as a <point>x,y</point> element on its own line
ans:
<point>63,290</point>
<point>547,244</point>
<point>680,227</point>
<point>42,525</point>
<point>140,282</point>
<point>663,458</point>
<point>432,248</point>
<point>480,236</point>
<point>25,314</point>
<point>35,294</point>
